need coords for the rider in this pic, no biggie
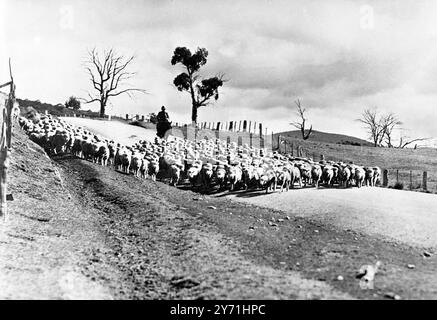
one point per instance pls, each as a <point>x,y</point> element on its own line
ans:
<point>162,115</point>
<point>163,122</point>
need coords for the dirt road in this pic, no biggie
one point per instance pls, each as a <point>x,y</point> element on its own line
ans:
<point>80,230</point>
<point>405,216</point>
<point>409,217</point>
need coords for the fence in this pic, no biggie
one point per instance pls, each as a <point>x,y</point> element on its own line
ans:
<point>6,105</point>
<point>411,180</point>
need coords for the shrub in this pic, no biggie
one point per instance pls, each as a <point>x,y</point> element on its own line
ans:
<point>398,186</point>
<point>73,103</point>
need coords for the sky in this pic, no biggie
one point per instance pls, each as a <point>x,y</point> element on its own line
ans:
<point>337,57</point>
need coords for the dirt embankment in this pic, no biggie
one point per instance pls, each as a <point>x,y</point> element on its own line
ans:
<point>78,230</point>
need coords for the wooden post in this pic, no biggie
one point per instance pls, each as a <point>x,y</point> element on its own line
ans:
<point>411,179</point>
<point>250,126</point>
<point>231,125</point>
<point>425,180</point>
<point>260,129</point>
<point>127,116</point>
<point>218,126</point>
<point>385,178</point>
<point>239,127</point>
<point>244,125</point>
<point>397,175</point>
<point>6,146</point>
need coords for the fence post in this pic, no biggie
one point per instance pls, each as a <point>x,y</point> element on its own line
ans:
<point>127,116</point>
<point>397,175</point>
<point>411,179</point>
<point>385,178</point>
<point>6,147</point>
<point>424,180</point>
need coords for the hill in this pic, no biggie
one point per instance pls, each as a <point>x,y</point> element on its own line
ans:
<point>55,110</point>
<point>327,137</point>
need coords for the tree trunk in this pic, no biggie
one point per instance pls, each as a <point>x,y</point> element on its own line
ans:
<point>194,114</point>
<point>102,109</point>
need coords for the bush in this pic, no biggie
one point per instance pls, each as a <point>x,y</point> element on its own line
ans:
<point>398,186</point>
<point>73,103</point>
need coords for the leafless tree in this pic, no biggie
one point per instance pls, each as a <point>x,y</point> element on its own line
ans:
<point>301,123</point>
<point>374,126</point>
<point>381,129</point>
<point>108,75</point>
<point>405,141</point>
<point>389,123</point>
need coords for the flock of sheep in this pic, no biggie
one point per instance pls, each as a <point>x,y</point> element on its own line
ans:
<point>204,163</point>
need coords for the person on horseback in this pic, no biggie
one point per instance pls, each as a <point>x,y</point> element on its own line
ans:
<point>163,123</point>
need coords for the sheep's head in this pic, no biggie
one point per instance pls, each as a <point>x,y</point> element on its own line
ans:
<point>192,172</point>
<point>263,180</point>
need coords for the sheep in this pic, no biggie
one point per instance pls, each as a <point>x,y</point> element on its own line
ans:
<point>316,174</point>
<point>240,165</point>
<point>136,163</point>
<point>360,174</point>
<point>175,173</point>
<point>369,176</point>
<point>305,173</point>
<point>220,176</point>
<point>269,180</point>
<point>327,175</point>
<point>284,179</point>
<point>376,175</point>
<point>206,174</point>
<point>234,175</point>
<point>144,169</point>
<point>295,177</point>
<point>193,175</point>
<point>153,168</point>
<point>344,175</point>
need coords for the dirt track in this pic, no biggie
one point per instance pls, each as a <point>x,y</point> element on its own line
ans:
<point>91,232</point>
<point>410,217</point>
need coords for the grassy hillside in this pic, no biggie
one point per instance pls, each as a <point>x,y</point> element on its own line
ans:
<point>327,137</point>
<point>56,110</point>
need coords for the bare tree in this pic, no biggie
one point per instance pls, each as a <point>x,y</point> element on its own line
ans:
<point>405,141</point>
<point>381,129</point>
<point>301,124</point>
<point>108,75</point>
<point>389,123</point>
<point>374,125</point>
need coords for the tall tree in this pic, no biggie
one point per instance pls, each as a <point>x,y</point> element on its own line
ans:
<point>109,75</point>
<point>300,124</point>
<point>200,90</point>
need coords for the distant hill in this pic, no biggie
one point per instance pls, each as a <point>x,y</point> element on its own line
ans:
<point>327,138</point>
<point>56,110</point>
